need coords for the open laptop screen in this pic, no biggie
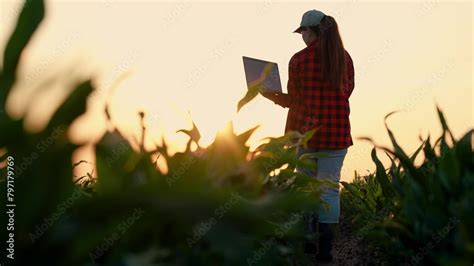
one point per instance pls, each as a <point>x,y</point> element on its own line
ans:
<point>264,72</point>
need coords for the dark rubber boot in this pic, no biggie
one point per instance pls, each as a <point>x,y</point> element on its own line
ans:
<point>310,248</point>
<point>311,223</point>
<point>325,243</point>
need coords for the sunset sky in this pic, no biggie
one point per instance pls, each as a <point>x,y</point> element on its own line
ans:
<point>182,61</point>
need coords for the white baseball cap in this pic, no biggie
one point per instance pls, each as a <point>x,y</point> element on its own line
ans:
<point>310,18</point>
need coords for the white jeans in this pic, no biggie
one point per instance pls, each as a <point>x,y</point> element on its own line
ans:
<point>329,168</point>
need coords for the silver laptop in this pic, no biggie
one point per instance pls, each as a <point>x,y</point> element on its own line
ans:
<point>255,70</point>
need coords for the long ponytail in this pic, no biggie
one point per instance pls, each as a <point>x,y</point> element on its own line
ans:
<point>331,48</point>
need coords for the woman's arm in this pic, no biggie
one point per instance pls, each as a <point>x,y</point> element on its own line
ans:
<point>292,98</point>
<point>349,86</point>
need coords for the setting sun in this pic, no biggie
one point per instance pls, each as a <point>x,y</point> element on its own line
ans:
<point>181,62</point>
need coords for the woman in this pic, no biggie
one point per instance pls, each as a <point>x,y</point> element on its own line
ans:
<point>321,80</point>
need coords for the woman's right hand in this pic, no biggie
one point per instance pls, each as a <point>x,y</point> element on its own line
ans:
<point>270,95</point>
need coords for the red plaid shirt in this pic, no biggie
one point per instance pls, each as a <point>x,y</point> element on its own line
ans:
<point>312,104</point>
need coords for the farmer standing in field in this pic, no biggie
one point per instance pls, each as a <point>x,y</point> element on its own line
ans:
<point>320,82</point>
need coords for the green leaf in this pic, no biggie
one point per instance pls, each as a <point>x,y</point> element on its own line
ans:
<point>413,157</point>
<point>252,92</point>
<point>400,154</point>
<point>429,152</point>
<point>448,170</point>
<point>307,136</point>
<point>444,125</point>
<point>382,175</point>
<point>194,135</point>
<point>242,138</point>
<point>313,155</point>
<point>30,17</point>
<point>307,164</point>
<point>397,227</point>
<point>74,106</point>
<point>464,151</point>
<point>255,87</point>
<point>353,189</point>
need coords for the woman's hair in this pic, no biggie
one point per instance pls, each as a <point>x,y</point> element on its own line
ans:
<point>331,48</point>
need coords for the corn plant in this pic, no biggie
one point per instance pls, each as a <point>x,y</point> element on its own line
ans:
<point>216,205</point>
<point>425,211</point>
